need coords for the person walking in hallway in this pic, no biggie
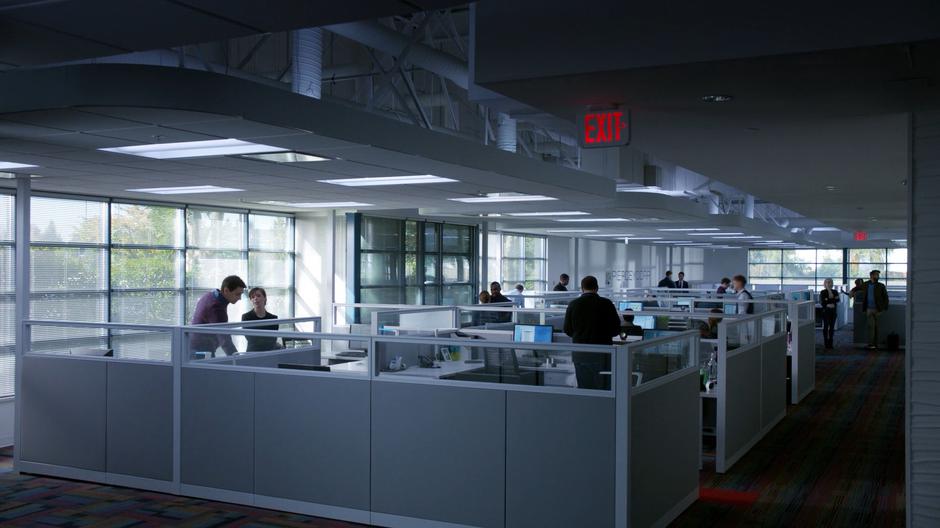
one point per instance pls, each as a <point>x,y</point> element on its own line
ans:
<point>829,300</point>
<point>592,320</point>
<point>667,281</point>
<point>874,304</point>
<point>682,283</point>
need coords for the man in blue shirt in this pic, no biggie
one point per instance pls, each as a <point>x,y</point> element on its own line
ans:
<point>876,302</point>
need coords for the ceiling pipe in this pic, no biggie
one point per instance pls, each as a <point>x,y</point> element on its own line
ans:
<point>387,40</point>
<point>307,61</point>
<point>748,209</point>
<point>505,133</point>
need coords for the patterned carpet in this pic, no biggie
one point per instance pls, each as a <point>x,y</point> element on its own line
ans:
<point>837,459</point>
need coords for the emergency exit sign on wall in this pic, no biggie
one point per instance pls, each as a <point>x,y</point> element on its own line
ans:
<point>604,128</point>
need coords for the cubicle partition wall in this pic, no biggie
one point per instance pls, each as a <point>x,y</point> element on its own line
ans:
<point>751,390</point>
<point>473,436</point>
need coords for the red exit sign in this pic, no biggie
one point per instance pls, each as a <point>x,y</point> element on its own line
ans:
<point>604,128</point>
<point>861,235</point>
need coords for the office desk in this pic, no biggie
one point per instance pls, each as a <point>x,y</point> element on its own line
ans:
<point>447,368</point>
<point>357,367</point>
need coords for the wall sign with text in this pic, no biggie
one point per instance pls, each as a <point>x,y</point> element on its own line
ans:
<point>604,128</point>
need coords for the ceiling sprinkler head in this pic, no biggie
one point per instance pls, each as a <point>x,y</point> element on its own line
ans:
<point>717,98</point>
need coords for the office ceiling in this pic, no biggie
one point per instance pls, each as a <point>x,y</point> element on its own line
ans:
<point>56,119</point>
<point>818,100</point>
<point>35,32</point>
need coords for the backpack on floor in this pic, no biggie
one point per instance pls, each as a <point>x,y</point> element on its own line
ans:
<point>893,341</point>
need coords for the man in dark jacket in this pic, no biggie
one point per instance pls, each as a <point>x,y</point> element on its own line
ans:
<point>212,307</point>
<point>682,283</point>
<point>667,281</point>
<point>562,285</point>
<point>592,320</point>
<point>874,303</point>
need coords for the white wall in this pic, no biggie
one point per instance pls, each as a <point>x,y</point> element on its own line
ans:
<point>560,254</point>
<point>6,423</point>
<point>320,266</point>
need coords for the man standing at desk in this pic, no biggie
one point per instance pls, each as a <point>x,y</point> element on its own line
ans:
<point>682,284</point>
<point>592,320</point>
<point>213,308</point>
<point>667,281</point>
<point>562,285</point>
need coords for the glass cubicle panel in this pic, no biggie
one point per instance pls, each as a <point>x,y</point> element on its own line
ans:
<point>104,340</point>
<point>774,323</point>
<point>742,332</point>
<point>660,357</point>
<point>495,358</point>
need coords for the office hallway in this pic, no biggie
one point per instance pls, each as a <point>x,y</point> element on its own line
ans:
<point>837,459</point>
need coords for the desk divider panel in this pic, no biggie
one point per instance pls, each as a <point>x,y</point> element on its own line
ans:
<point>64,412</point>
<point>806,365</point>
<point>140,420</point>
<point>312,439</point>
<point>559,460</point>
<point>664,448</point>
<point>774,374</point>
<point>216,418</point>
<point>739,407</point>
<point>439,453</point>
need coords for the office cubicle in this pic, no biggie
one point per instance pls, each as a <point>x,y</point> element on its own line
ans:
<point>369,441</point>
<point>750,396</point>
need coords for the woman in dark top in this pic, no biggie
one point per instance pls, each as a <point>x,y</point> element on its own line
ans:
<point>829,299</point>
<point>259,299</point>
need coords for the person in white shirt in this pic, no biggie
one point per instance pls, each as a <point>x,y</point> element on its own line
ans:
<point>740,283</point>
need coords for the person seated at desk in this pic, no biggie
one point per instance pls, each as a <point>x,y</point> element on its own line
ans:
<point>212,308</point>
<point>482,318</point>
<point>628,328</point>
<point>259,299</point>
<point>709,330</point>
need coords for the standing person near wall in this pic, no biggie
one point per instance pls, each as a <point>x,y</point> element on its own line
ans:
<point>562,285</point>
<point>740,287</point>
<point>667,281</point>
<point>682,283</point>
<point>829,300</point>
<point>212,307</point>
<point>592,320</point>
<point>874,304</point>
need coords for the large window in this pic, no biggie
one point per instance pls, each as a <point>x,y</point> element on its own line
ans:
<point>517,259</point>
<point>7,298</point>
<point>797,268</point>
<point>94,260</point>
<point>412,262</point>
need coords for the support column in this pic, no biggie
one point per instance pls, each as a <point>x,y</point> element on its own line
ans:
<point>922,363</point>
<point>22,281</point>
<point>484,255</point>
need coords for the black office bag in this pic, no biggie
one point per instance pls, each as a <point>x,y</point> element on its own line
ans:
<point>893,341</point>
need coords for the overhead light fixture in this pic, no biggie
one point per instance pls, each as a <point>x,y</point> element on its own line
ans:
<point>717,98</point>
<point>13,165</point>
<point>504,197</point>
<point>769,242</point>
<point>13,175</point>
<point>550,213</point>
<point>832,188</point>
<point>711,233</point>
<point>315,205</point>
<point>415,179</point>
<point>593,220</point>
<point>571,230</point>
<point>823,229</point>
<point>646,238</point>
<point>672,242</point>
<point>690,229</point>
<point>194,189</point>
<point>194,149</point>
<point>750,237</point>
<point>615,236</point>
<point>285,157</point>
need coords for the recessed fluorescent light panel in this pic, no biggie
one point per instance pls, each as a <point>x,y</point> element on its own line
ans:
<point>548,213</point>
<point>714,234</point>
<point>316,205</point>
<point>592,220</point>
<point>673,242</point>
<point>616,236</point>
<point>502,198</point>
<point>646,238</point>
<point>195,189</point>
<point>195,149</point>
<point>691,229</point>
<point>752,237</point>
<point>571,230</point>
<point>12,165</point>
<point>377,181</point>
<point>285,157</point>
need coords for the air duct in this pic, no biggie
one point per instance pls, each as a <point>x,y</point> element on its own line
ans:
<point>307,61</point>
<point>383,38</point>
<point>505,133</point>
<point>748,209</point>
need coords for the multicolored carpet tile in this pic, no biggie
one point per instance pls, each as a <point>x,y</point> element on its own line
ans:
<point>837,459</point>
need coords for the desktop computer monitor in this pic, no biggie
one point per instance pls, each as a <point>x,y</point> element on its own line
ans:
<point>623,305</point>
<point>528,333</point>
<point>684,301</point>
<point>629,305</point>
<point>646,322</point>
<point>731,309</point>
